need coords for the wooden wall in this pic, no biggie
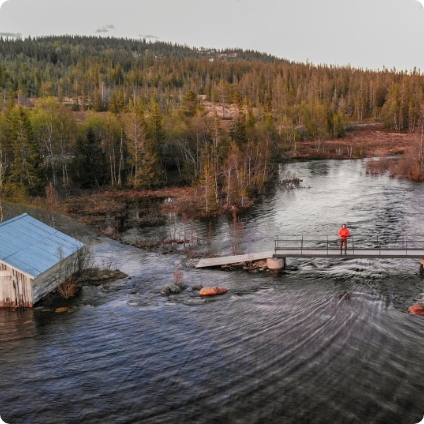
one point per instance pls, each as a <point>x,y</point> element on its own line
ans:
<point>20,290</point>
<point>15,288</point>
<point>50,280</point>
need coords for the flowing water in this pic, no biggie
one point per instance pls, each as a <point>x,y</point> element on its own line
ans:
<point>330,341</point>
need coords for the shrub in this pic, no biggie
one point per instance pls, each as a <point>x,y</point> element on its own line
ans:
<point>68,288</point>
<point>177,286</point>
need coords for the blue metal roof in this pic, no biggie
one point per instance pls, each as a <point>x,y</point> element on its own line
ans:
<point>33,247</point>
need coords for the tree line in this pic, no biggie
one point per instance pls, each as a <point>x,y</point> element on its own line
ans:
<point>141,148</point>
<point>93,111</point>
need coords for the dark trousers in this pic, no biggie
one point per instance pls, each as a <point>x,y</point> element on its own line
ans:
<point>343,241</point>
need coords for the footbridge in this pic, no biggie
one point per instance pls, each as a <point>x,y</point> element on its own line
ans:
<point>329,247</point>
<point>357,247</point>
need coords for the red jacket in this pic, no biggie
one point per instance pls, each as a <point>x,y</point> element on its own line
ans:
<point>344,233</point>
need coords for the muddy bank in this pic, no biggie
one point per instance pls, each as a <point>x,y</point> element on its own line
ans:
<point>365,141</point>
<point>111,211</point>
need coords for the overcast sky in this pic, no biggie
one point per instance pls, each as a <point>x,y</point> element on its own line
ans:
<point>362,33</point>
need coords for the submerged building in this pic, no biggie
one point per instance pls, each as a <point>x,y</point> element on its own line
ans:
<point>34,260</point>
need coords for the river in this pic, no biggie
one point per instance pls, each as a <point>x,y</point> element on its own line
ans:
<point>330,341</point>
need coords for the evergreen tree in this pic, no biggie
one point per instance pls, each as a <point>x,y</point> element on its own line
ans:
<point>238,131</point>
<point>150,174</point>
<point>25,175</point>
<point>89,166</point>
<point>191,104</point>
<point>154,145</point>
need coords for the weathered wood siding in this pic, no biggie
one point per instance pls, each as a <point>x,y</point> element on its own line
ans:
<point>20,290</point>
<point>50,280</point>
<point>15,288</point>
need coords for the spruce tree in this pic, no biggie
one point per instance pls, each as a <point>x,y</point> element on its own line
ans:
<point>89,167</point>
<point>153,146</point>
<point>238,131</point>
<point>26,175</point>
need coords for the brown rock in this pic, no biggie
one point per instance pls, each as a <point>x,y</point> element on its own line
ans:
<point>416,309</point>
<point>212,291</point>
<point>62,309</point>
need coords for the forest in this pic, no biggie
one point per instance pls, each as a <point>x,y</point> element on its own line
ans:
<point>92,112</point>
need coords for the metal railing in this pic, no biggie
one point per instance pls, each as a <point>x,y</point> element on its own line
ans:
<point>356,244</point>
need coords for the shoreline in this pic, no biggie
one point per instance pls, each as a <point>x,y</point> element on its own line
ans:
<point>367,141</point>
<point>109,211</point>
<point>106,211</point>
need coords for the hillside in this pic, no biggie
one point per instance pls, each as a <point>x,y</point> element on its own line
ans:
<point>93,112</point>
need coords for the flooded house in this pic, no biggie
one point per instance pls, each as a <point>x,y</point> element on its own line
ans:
<point>34,259</point>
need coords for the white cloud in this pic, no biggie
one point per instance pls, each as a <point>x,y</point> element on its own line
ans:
<point>105,28</point>
<point>150,36</point>
<point>10,35</point>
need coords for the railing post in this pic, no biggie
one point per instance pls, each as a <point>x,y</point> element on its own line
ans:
<point>301,246</point>
<point>353,246</point>
<point>327,245</point>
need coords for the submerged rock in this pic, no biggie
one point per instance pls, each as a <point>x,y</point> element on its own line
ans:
<point>174,288</point>
<point>416,309</point>
<point>212,291</point>
<point>197,288</point>
<point>62,309</point>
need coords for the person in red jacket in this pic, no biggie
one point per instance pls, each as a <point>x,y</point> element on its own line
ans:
<point>344,233</point>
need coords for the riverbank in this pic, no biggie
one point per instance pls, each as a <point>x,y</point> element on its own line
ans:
<point>365,141</point>
<point>109,211</point>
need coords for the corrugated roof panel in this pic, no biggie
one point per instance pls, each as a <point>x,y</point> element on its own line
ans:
<point>22,264</point>
<point>36,230</point>
<point>65,241</point>
<point>11,244</point>
<point>32,246</point>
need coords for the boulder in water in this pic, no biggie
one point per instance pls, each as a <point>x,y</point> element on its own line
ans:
<point>212,291</point>
<point>416,309</point>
